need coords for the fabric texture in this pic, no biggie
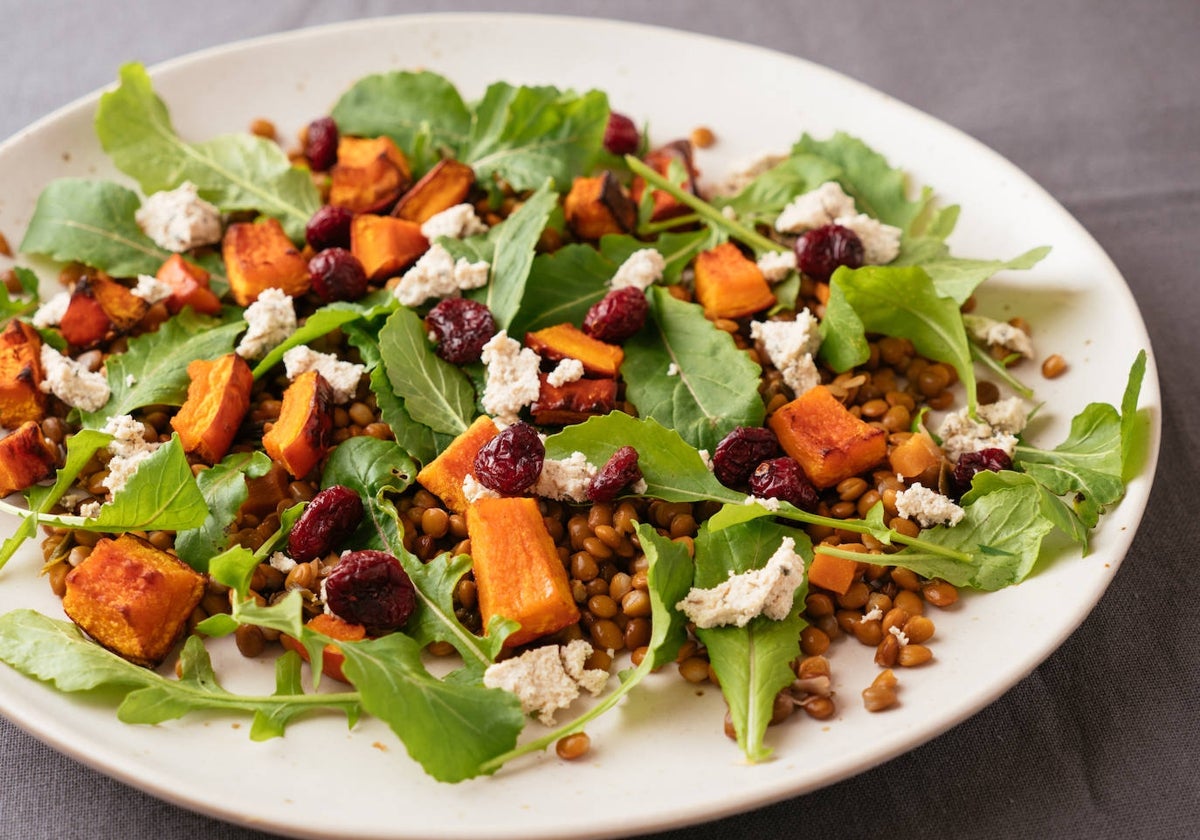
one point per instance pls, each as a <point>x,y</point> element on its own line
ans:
<point>1098,101</point>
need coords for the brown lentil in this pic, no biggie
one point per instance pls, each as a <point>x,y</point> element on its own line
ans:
<point>918,629</point>
<point>870,633</point>
<point>887,651</point>
<point>813,641</point>
<point>881,693</point>
<point>263,128</point>
<point>694,669</point>
<point>573,746</point>
<point>607,635</point>
<point>1054,366</point>
<point>910,602</point>
<point>939,593</point>
<point>702,137</point>
<point>812,666</point>
<point>820,708</point>
<point>912,656</point>
<point>782,708</point>
<point>250,640</point>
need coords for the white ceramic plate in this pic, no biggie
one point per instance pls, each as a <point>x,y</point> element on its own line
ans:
<point>661,755</point>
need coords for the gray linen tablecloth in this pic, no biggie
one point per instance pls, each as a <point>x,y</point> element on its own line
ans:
<point>1098,101</point>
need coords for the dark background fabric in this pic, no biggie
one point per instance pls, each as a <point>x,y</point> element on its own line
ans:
<point>1099,102</point>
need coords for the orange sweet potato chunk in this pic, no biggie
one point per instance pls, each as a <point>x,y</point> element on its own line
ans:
<point>836,574</point>
<point>21,374</point>
<point>563,341</point>
<point>189,286</point>
<point>444,475</point>
<point>447,184</point>
<point>132,598</point>
<point>259,256</point>
<point>518,572</point>
<point>386,245</point>
<point>100,308</point>
<point>598,206</point>
<point>217,400</point>
<point>370,174</point>
<point>332,658</point>
<point>729,284</point>
<point>26,457</point>
<point>829,442</point>
<point>303,434</point>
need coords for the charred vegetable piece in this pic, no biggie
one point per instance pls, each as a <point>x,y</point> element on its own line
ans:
<point>448,183</point>
<point>573,402</point>
<point>386,246</point>
<point>189,286</point>
<point>729,284</point>
<point>217,400</point>
<point>665,205</point>
<point>826,439</point>
<point>370,174</point>
<point>566,341</point>
<point>100,309</point>
<point>303,433</point>
<point>26,457</point>
<point>259,256</point>
<point>444,475</point>
<point>598,206</point>
<point>21,398</point>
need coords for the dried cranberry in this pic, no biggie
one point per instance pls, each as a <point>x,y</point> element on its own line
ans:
<point>337,274</point>
<point>740,451</point>
<point>329,227</point>
<point>618,472</point>
<point>370,588</point>
<point>460,327</point>
<point>971,463</point>
<point>620,135</point>
<point>511,461</point>
<point>329,518</point>
<point>617,316</point>
<point>821,251</point>
<point>782,478</point>
<point>321,144</point>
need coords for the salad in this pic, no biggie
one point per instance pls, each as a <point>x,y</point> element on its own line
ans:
<point>501,382</point>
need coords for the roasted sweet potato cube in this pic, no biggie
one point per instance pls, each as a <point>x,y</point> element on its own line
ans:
<point>26,457</point>
<point>566,341</point>
<point>303,434</point>
<point>729,284</point>
<point>189,286</point>
<point>370,174</point>
<point>386,245</point>
<point>444,186</point>
<point>444,475</point>
<point>518,573</point>
<point>829,442</point>
<point>573,402</point>
<point>100,309</point>
<point>217,400</point>
<point>598,206</point>
<point>133,598</point>
<point>836,574</point>
<point>665,205</point>
<point>259,256</point>
<point>21,398</point>
<point>332,657</point>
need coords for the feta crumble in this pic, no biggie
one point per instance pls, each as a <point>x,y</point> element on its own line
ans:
<point>343,377</point>
<point>999,334</point>
<point>791,345</point>
<point>270,320</point>
<point>706,458</point>
<point>881,243</point>
<point>961,434</point>
<point>474,490</point>
<point>777,265</point>
<point>129,449</point>
<point>768,591</point>
<point>280,562</point>
<point>900,635</point>
<point>641,270</point>
<point>567,370</point>
<point>437,275</point>
<point>566,479</point>
<point>512,377</point>
<point>151,289</point>
<point>672,369</point>
<point>815,208</point>
<point>50,313</point>
<point>876,614</point>
<point>179,219</point>
<point>1007,415</point>
<point>768,503</point>
<point>547,678</point>
<point>71,382</point>
<point>927,507</point>
<point>457,222</point>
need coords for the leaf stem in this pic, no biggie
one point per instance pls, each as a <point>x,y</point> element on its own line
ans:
<point>652,228</point>
<point>1000,371</point>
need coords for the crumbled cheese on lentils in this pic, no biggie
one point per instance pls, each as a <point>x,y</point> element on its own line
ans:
<point>280,562</point>
<point>474,490</point>
<point>343,377</point>
<point>270,320</point>
<point>71,382</point>
<point>961,434</point>
<point>50,313</point>
<point>815,208</point>
<point>129,449</point>
<point>512,377</point>
<point>875,614</point>
<point>768,591</point>
<point>881,243</point>
<point>900,635</point>
<point>777,265</point>
<point>999,334</point>
<point>457,222</point>
<point>179,219</point>
<point>791,345</point>
<point>437,275</point>
<point>151,289</point>
<point>547,678</point>
<point>567,370</point>
<point>927,507</point>
<point>566,479</point>
<point>641,270</point>
<point>1007,415</point>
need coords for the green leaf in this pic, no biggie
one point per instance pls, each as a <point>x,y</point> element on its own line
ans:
<point>92,222</point>
<point>10,306</point>
<point>715,387</point>
<point>160,496</point>
<point>762,200</point>
<point>436,393</point>
<point>515,241</point>
<point>955,277</point>
<point>843,336</point>
<point>224,490</point>
<point>1051,506</point>
<point>324,321</point>
<point>1129,404</point>
<point>669,575</point>
<point>234,568</point>
<point>235,172</point>
<point>371,467</point>
<point>562,286</point>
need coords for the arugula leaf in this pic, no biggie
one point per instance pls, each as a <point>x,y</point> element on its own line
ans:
<point>515,240</point>
<point>1129,404</point>
<point>11,307</point>
<point>324,321</point>
<point>752,662</point>
<point>1052,507</point>
<point>436,393</point>
<point>371,467</point>
<point>561,287</point>
<point>715,387</point>
<point>955,277</point>
<point>224,490</point>
<point>235,172</point>
<point>762,200</point>
<point>160,496</point>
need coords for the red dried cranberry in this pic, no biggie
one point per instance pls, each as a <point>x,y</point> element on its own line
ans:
<point>337,274</point>
<point>740,451</point>
<point>460,328</point>
<point>329,227</point>
<point>620,135</point>
<point>821,251</point>
<point>511,461</point>
<point>971,463</point>
<point>782,478</point>
<point>617,316</point>
<point>620,471</point>
<point>321,144</point>
<point>370,588</point>
<point>331,517</point>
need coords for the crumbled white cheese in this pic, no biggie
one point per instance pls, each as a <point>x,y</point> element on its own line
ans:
<point>960,434</point>
<point>876,614</point>
<point>343,377</point>
<point>269,322</point>
<point>815,208</point>
<point>791,345</point>
<point>280,562</point>
<point>150,289</point>
<point>567,370</point>
<point>639,487</point>
<point>1006,415</point>
<point>437,275</point>
<point>766,502</point>
<point>672,369</point>
<point>999,334</point>
<point>566,479</point>
<point>547,678</point>
<point>179,219</point>
<point>641,270</point>
<point>457,222</point>
<point>736,181</point>
<point>900,635</point>
<point>71,382</point>
<point>881,243</point>
<point>88,510</point>
<point>512,377</point>
<point>50,313</point>
<point>777,265</point>
<point>768,591</point>
<point>474,490</point>
<point>130,380</point>
<point>129,449</point>
<point>706,458</point>
<point>927,507</point>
